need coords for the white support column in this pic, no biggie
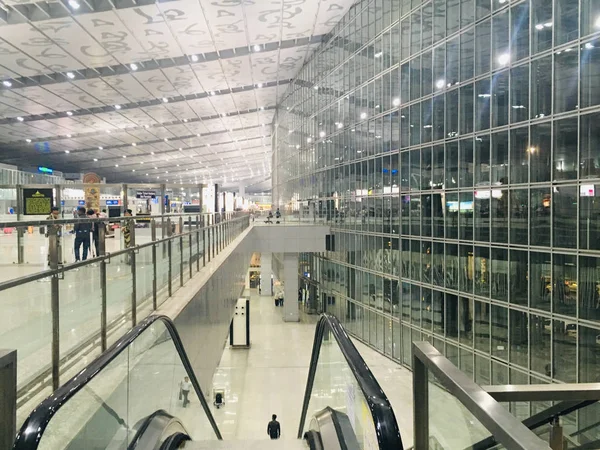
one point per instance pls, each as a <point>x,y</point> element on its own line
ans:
<point>290,281</point>
<point>266,270</point>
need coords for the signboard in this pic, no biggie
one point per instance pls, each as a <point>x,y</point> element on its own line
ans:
<point>81,202</point>
<point>37,202</point>
<point>45,170</point>
<point>92,193</point>
<point>112,202</point>
<point>145,194</point>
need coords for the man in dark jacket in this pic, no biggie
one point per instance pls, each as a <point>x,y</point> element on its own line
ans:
<point>82,235</point>
<point>274,429</point>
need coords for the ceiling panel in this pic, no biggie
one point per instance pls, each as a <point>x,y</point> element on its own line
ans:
<point>195,54</point>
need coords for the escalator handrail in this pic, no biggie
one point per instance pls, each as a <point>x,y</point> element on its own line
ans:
<point>38,420</point>
<point>386,426</point>
<point>144,426</point>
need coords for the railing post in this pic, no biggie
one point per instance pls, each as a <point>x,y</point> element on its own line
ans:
<point>204,238</point>
<point>191,254</point>
<point>420,404</point>
<point>103,286</point>
<point>180,251</point>
<point>54,305</point>
<point>197,243</point>
<point>8,397</point>
<point>154,268</point>
<point>132,260</point>
<point>20,209</point>
<point>169,253</point>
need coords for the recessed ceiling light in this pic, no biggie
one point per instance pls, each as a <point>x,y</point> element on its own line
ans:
<point>133,170</point>
<point>208,145</point>
<point>116,165</point>
<point>165,100</point>
<point>68,135</point>
<point>262,108</point>
<point>70,75</point>
<point>28,140</point>
<point>134,144</point>
<point>257,48</point>
<point>146,126</point>
<point>107,131</point>
<point>124,156</point>
<point>73,4</point>
<point>7,83</point>
<point>223,114</point>
<point>198,134</point>
<point>212,92</point>
<point>260,85</point>
<point>185,120</point>
<point>67,151</point>
<point>69,113</point>
<point>100,148</point>
<point>166,139</point>
<point>117,106</point>
<point>133,66</point>
<point>95,159</point>
<point>194,58</point>
<point>152,153</point>
<point>20,119</point>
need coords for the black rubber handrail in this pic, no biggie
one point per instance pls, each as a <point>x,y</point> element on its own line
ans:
<point>33,428</point>
<point>384,420</point>
<point>145,424</point>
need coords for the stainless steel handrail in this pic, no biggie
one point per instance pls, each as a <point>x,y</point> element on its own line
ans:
<point>207,241</point>
<point>505,427</point>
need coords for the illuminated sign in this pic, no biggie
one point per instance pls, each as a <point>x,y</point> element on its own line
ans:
<point>112,202</point>
<point>587,190</point>
<point>37,201</point>
<point>45,170</point>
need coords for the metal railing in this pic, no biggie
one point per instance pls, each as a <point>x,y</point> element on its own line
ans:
<point>497,420</point>
<point>87,305</point>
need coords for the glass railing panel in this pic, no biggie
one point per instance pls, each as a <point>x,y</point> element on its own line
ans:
<point>175,263</point>
<point>451,426</point>
<point>31,334</point>
<point>186,257</point>
<point>144,275</point>
<point>336,386</point>
<point>80,306</point>
<point>119,291</point>
<point>100,409</point>
<point>162,272</point>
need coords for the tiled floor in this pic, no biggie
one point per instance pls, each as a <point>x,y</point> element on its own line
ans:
<point>270,377</point>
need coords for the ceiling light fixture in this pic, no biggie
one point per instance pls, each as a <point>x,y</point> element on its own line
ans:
<point>133,66</point>
<point>363,115</point>
<point>396,102</point>
<point>116,165</point>
<point>100,148</point>
<point>28,140</point>
<point>124,156</point>
<point>7,83</point>
<point>67,151</point>
<point>166,139</point>
<point>134,144</point>
<point>257,48</point>
<point>95,159</point>
<point>69,113</point>
<point>70,75</point>
<point>260,85</point>
<point>165,100</point>
<point>73,4</point>
<point>68,135</point>
<point>117,107</point>
<point>194,58</point>
<point>20,119</point>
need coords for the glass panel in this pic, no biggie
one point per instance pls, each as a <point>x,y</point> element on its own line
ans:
<point>119,291</point>
<point>118,396</point>
<point>335,384</point>
<point>144,275</point>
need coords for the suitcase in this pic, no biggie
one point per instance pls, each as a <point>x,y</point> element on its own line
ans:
<point>8,230</point>
<point>276,302</point>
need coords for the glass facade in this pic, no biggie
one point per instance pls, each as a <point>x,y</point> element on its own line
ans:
<point>454,147</point>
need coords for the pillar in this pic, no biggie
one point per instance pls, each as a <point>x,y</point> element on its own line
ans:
<point>290,285</point>
<point>266,269</point>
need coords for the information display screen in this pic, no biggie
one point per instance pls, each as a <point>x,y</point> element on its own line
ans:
<point>37,202</point>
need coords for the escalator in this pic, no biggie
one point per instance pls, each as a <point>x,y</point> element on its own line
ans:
<point>131,397</point>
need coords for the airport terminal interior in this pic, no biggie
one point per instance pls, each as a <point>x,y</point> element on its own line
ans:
<point>299,224</point>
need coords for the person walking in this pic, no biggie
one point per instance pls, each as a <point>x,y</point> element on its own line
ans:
<point>54,215</point>
<point>185,388</point>
<point>82,235</point>
<point>274,429</point>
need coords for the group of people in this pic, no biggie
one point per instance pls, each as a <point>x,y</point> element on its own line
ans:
<point>86,232</point>
<point>270,216</point>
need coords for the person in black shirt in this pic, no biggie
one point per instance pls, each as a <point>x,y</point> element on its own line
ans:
<point>274,429</point>
<point>82,235</point>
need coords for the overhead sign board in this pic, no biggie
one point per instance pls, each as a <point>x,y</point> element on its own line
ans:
<point>37,201</point>
<point>45,170</point>
<point>145,194</point>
